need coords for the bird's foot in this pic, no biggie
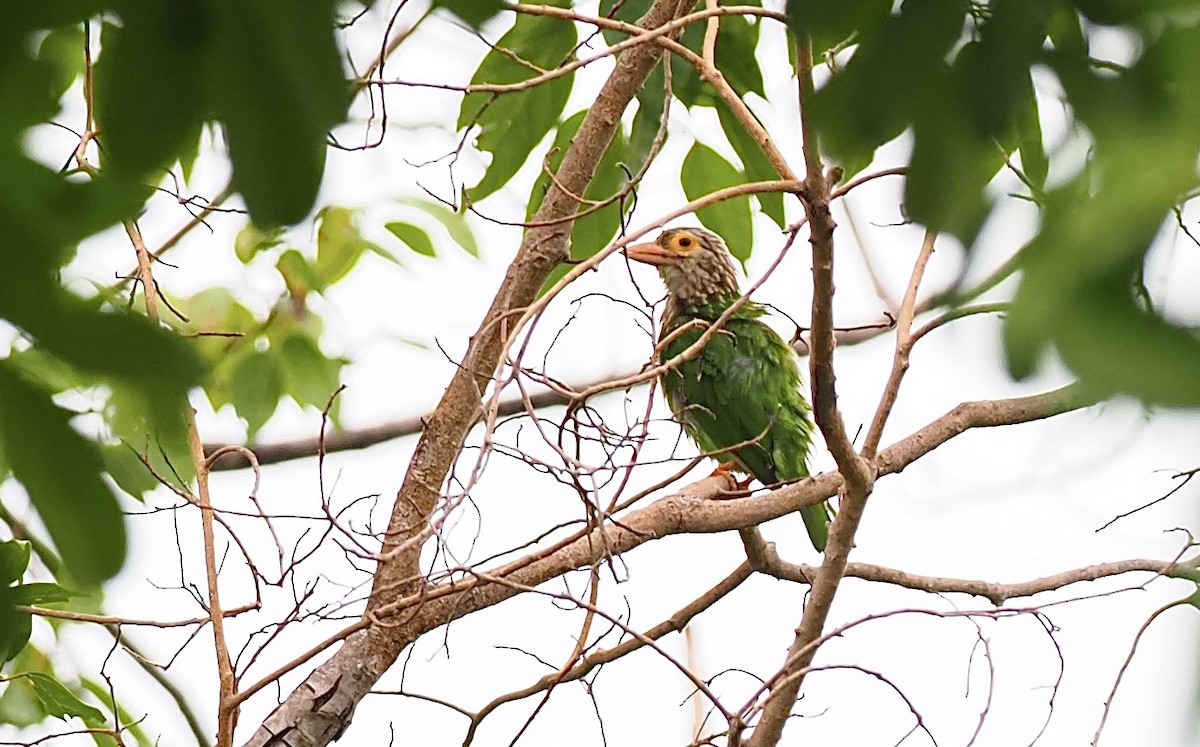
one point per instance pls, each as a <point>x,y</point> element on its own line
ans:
<point>726,470</point>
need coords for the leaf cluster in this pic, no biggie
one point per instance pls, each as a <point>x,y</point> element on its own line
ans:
<point>966,81</point>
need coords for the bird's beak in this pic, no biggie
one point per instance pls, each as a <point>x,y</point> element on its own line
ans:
<point>651,253</point>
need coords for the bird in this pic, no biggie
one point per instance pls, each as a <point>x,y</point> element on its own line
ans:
<point>740,397</point>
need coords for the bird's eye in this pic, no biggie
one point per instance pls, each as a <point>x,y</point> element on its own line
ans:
<point>685,242</point>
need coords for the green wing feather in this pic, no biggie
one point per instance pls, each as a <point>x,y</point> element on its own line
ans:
<point>744,386</point>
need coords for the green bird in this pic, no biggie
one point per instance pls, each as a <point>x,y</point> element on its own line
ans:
<point>743,388</point>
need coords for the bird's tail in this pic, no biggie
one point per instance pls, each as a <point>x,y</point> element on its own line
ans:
<point>816,520</point>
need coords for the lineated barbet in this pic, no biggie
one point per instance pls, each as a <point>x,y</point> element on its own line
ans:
<point>744,385</point>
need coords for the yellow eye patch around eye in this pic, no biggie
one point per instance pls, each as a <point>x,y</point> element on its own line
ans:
<point>683,243</point>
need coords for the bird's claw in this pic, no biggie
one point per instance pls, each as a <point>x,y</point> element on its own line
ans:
<point>726,470</point>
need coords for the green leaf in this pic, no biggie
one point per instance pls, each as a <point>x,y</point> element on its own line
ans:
<point>1078,293</point>
<point>190,151</point>
<point>61,472</point>
<point>628,11</point>
<point>414,237</point>
<point>705,171</point>
<point>210,311</point>
<point>127,471</point>
<point>646,121</point>
<point>309,376</point>
<point>758,166</point>
<point>831,24</point>
<point>686,83</point>
<point>62,48</point>
<point>149,83</point>
<point>1010,41</point>
<point>256,388</point>
<point>161,442</point>
<point>251,240</point>
<point>594,231</point>
<point>737,38</point>
<point>511,124</point>
<point>1034,162</point>
<point>874,99</point>
<point>60,701</point>
<point>474,12</point>
<point>15,627</point>
<point>950,168</point>
<point>14,559</point>
<point>298,274</point>
<point>961,145</point>
<point>40,593</point>
<point>18,705</point>
<point>382,253</point>
<point>122,347</point>
<point>279,88</point>
<point>455,223</point>
<point>132,724</point>
<point>340,244</point>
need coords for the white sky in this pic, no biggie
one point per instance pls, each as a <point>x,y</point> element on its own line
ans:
<point>1005,504</point>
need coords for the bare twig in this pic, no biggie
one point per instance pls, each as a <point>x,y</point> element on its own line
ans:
<point>904,343</point>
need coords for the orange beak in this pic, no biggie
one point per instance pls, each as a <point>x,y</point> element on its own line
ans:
<point>651,253</point>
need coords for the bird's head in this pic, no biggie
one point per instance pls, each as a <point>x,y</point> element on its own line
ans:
<point>694,264</point>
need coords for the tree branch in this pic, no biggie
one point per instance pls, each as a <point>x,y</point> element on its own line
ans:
<point>319,709</point>
<point>690,510</point>
<point>765,559</point>
<point>858,472</point>
<point>361,438</point>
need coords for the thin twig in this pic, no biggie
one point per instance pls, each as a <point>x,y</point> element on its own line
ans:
<point>904,343</point>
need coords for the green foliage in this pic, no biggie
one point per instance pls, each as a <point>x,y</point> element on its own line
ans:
<point>474,12</point>
<point>15,626</point>
<point>61,48</point>
<point>147,81</point>
<point>252,240</point>
<point>595,230</point>
<point>92,392</point>
<point>1080,292</point>
<point>261,70</point>
<point>455,223</point>
<point>874,99</point>
<point>59,701</point>
<point>256,363</point>
<point>831,25</point>
<point>340,244</point>
<point>159,75</point>
<point>276,88</point>
<point>61,472</point>
<point>758,168</point>
<point>413,236</point>
<point>737,40</point>
<point>255,388</point>
<point>511,124</point>
<point>704,171</point>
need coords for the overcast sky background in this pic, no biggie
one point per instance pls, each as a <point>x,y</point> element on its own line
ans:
<point>1007,505</point>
